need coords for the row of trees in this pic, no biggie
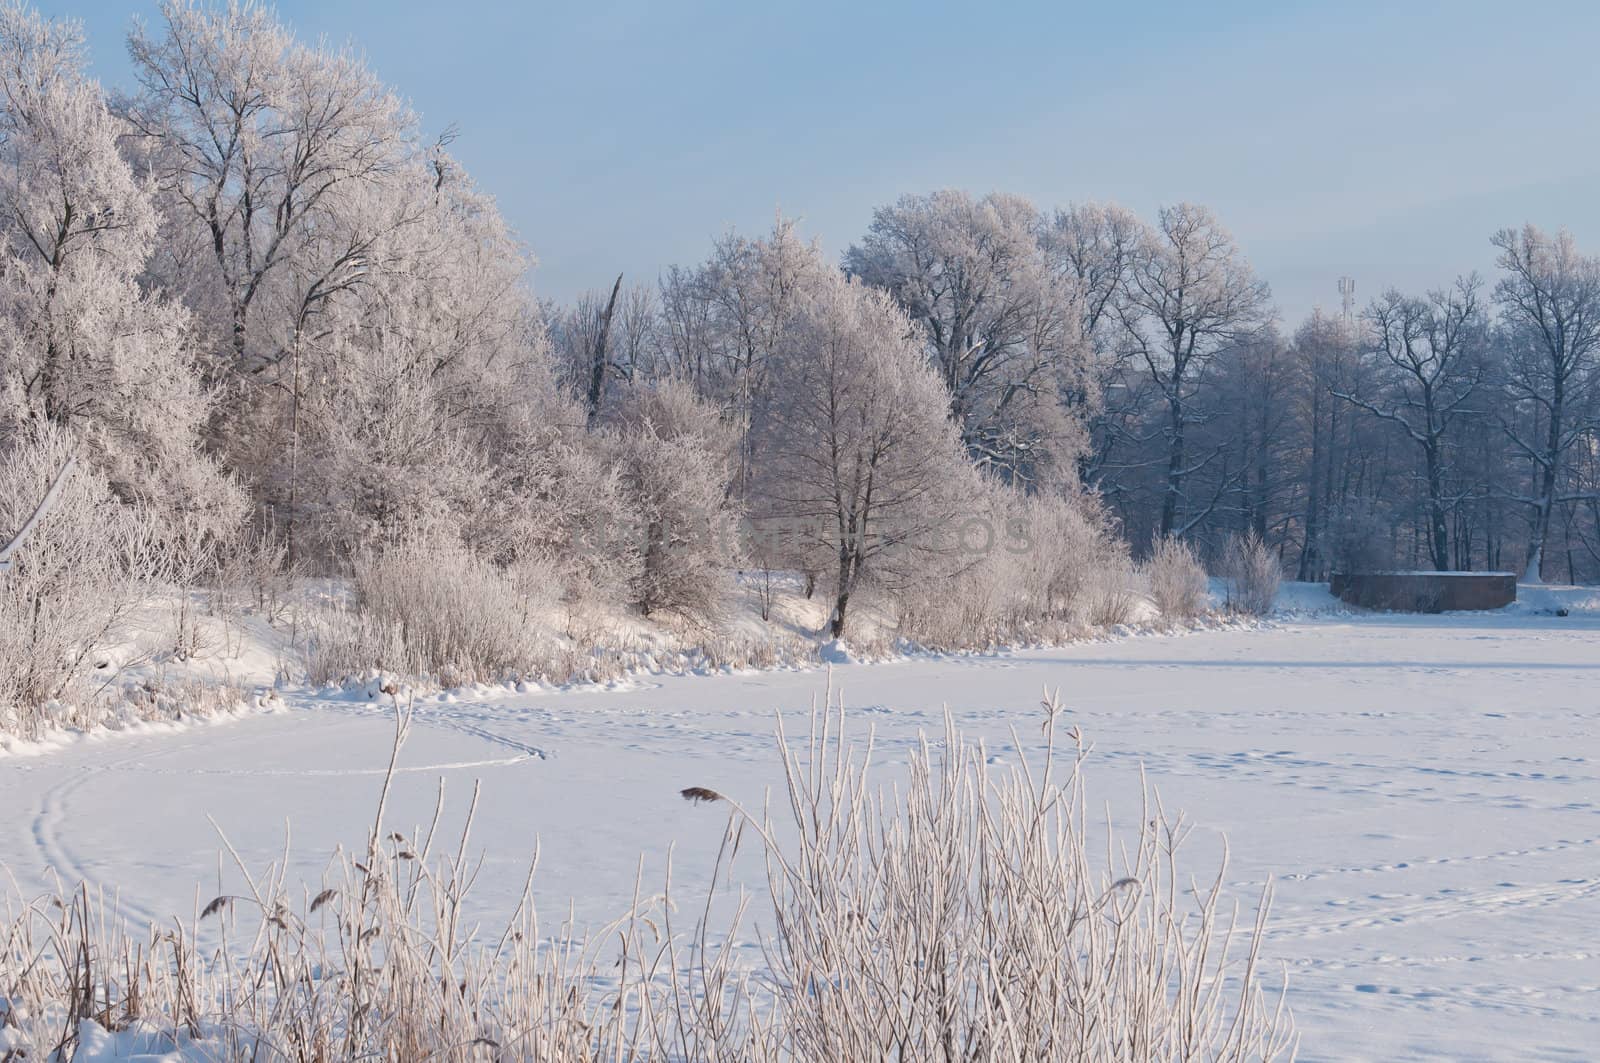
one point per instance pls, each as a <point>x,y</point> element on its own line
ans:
<point>1452,429</point>
<point>272,316</point>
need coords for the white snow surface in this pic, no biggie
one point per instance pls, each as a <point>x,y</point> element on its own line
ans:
<point>1421,790</point>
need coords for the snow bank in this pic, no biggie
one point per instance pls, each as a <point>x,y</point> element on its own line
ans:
<point>1547,599</point>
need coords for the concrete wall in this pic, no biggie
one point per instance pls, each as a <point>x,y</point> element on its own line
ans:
<point>1425,592</point>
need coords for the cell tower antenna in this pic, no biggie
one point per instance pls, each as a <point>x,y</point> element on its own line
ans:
<point>1347,293</point>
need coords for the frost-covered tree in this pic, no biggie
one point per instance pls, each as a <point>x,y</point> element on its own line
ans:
<point>604,342</point>
<point>1093,247</point>
<point>81,346</point>
<point>724,321</point>
<point>398,470</point>
<point>636,342</point>
<point>268,152</point>
<point>364,306</point>
<point>1429,354</point>
<point>584,338</point>
<point>1191,297</point>
<point>1002,327</point>
<point>674,458</point>
<point>421,374</point>
<point>857,448</point>
<point>1549,300</point>
<point>559,514</point>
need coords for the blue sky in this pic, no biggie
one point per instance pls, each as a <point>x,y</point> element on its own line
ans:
<point>1382,140</point>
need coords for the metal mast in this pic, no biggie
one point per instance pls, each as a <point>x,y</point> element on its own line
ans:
<point>1347,293</point>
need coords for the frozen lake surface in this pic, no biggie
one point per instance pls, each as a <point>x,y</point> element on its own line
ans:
<point>1423,790</point>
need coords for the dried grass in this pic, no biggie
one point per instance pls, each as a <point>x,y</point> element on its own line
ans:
<point>968,914</point>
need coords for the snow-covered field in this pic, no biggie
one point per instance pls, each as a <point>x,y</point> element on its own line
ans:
<point>1423,790</point>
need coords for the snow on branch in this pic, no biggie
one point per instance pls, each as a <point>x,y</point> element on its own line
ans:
<point>38,514</point>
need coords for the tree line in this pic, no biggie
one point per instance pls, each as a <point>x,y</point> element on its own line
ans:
<point>272,316</point>
<point>1449,429</point>
<point>1453,429</point>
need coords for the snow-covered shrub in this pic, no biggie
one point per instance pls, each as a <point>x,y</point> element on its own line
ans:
<point>958,612</point>
<point>1176,579</point>
<point>456,616</point>
<point>1025,568</point>
<point>339,644</point>
<point>1251,573</point>
<point>673,456</point>
<point>174,699</point>
<point>1069,542</point>
<point>398,470</point>
<point>966,598</point>
<point>559,511</point>
<point>734,649</point>
<point>1111,594</point>
<point>991,585</point>
<point>256,574</point>
<point>87,563</point>
<point>998,927</point>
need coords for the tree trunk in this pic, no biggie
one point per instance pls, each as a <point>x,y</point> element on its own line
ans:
<point>601,353</point>
<point>841,600</point>
<point>7,549</point>
<point>1169,503</point>
<point>1566,537</point>
<point>240,333</point>
<point>1439,543</point>
<point>1258,519</point>
<point>654,540</point>
<point>294,458</point>
<point>1545,501</point>
<point>1310,560</point>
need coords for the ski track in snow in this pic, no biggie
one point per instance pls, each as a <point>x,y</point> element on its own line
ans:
<point>462,720</point>
<point>56,846</point>
<point>1422,793</point>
